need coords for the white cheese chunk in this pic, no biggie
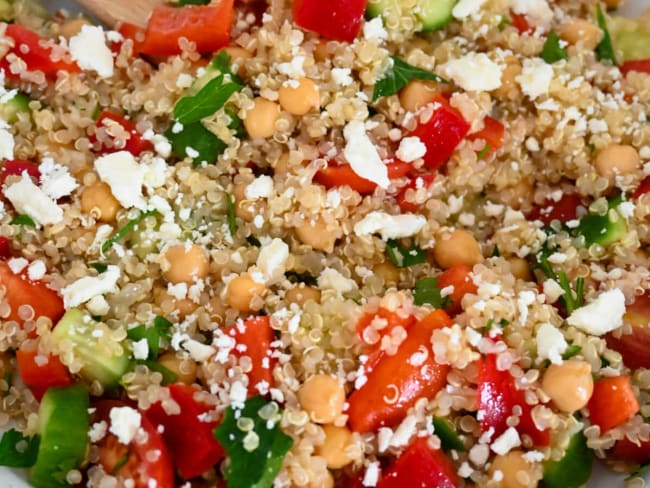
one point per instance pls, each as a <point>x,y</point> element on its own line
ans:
<point>7,142</point>
<point>390,226</point>
<point>198,351</point>
<point>88,48</point>
<point>602,315</point>
<point>465,8</point>
<point>410,149</point>
<point>535,78</point>
<point>36,270</point>
<point>260,187</point>
<point>332,279</point>
<point>272,260</point>
<point>374,30</point>
<point>371,476</point>
<point>85,288</point>
<point>506,442</point>
<point>538,11</point>
<point>550,343</point>
<point>474,72</point>
<point>125,422</point>
<point>29,199</point>
<point>122,173</point>
<point>141,349</point>
<point>341,76</point>
<point>56,180</point>
<point>362,154</point>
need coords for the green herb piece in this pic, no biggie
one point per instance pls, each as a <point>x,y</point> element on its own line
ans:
<point>604,362</point>
<point>197,142</point>
<point>398,76</point>
<point>23,219</point>
<point>571,351</point>
<point>591,147</point>
<point>495,252</point>
<point>159,330</point>
<point>503,22</point>
<point>483,152</point>
<point>207,101</point>
<point>236,124</point>
<point>18,451</point>
<point>255,454</point>
<point>130,225</point>
<point>232,218</point>
<point>295,277</point>
<point>605,49</point>
<point>504,323</point>
<point>488,327</point>
<point>552,51</point>
<point>192,2</point>
<point>446,431</point>
<point>168,375</point>
<point>427,291</point>
<point>99,267</point>
<point>403,257</point>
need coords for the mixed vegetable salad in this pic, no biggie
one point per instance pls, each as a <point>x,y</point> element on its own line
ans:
<point>347,243</point>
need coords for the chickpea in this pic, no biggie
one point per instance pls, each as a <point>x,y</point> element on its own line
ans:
<point>322,397</point>
<point>388,272</point>
<point>520,268</point>
<point>72,27</point>
<point>617,159</point>
<point>302,294</point>
<point>457,247</point>
<point>260,119</point>
<point>244,209</point>
<point>569,385</point>
<point>318,235</point>
<point>509,87</point>
<point>98,200</point>
<point>515,471</point>
<point>184,368</point>
<point>416,94</point>
<point>580,30</point>
<point>298,100</point>
<point>186,263</point>
<point>333,449</point>
<point>241,292</point>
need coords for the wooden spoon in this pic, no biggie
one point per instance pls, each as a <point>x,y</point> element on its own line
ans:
<point>112,12</point>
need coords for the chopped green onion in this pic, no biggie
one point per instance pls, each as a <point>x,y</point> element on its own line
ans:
<point>552,51</point>
<point>232,218</point>
<point>130,225</point>
<point>605,49</point>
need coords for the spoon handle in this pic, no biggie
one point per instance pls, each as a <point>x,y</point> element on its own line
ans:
<point>112,12</point>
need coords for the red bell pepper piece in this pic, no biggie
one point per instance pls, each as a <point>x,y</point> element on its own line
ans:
<point>640,65</point>
<point>206,25</point>
<point>422,180</point>
<point>563,210</point>
<point>5,248</point>
<point>343,174</point>
<point>520,22</point>
<point>129,31</point>
<point>635,345</point>
<point>191,443</point>
<point>337,19</point>
<point>399,379</point>
<point>613,402</point>
<point>18,167</point>
<point>254,338</point>
<point>135,144</point>
<point>493,133</point>
<point>441,134</point>
<point>644,187</point>
<point>38,56</point>
<point>458,276</point>
<point>391,320</point>
<point>630,452</point>
<point>421,466</point>
<point>136,460</point>
<point>20,290</point>
<point>38,376</point>
<point>498,395</point>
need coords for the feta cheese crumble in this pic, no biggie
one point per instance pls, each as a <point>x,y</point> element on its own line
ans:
<point>272,260</point>
<point>411,149</point>
<point>465,8</point>
<point>535,78</point>
<point>550,343</point>
<point>27,198</point>
<point>362,154</point>
<point>125,422</point>
<point>56,180</point>
<point>474,72</point>
<point>122,173</point>
<point>332,279</point>
<point>84,289</point>
<point>88,48</point>
<point>390,226</point>
<point>602,315</point>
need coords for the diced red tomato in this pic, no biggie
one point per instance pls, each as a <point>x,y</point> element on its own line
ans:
<point>39,375</point>
<point>520,22</point>
<point>634,347</point>
<point>254,338</point>
<point>135,144</point>
<point>498,395</point>
<point>206,25</point>
<point>422,180</point>
<point>563,210</point>
<point>20,290</point>
<point>389,320</point>
<point>441,134</point>
<point>644,187</point>
<point>17,167</point>
<point>336,19</point>
<point>613,402</point>
<point>38,56</point>
<point>5,248</point>
<point>193,447</point>
<point>458,276</point>
<point>341,175</point>
<point>640,65</point>
<point>395,383</point>
<point>130,31</point>
<point>146,460</point>
<point>421,466</point>
<point>630,452</point>
<point>493,133</point>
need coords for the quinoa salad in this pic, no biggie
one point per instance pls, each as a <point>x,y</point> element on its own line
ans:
<point>307,243</point>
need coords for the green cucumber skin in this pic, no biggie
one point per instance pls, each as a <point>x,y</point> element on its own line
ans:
<point>433,14</point>
<point>64,424</point>
<point>10,109</point>
<point>574,469</point>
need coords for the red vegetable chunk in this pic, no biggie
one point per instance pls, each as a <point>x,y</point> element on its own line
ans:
<point>41,372</point>
<point>634,347</point>
<point>640,65</point>
<point>613,402</point>
<point>135,143</point>
<point>336,19</point>
<point>342,175</point>
<point>563,210</point>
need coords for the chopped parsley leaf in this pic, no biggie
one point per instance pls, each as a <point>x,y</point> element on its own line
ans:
<point>18,451</point>
<point>605,49</point>
<point>427,291</point>
<point>552,51</point>
<point>398,76</point>
<point>23,219</point>
<point>159,330</point>
<point>403,257</point>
